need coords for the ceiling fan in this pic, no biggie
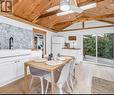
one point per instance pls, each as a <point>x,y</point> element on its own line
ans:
<point>70,6</point>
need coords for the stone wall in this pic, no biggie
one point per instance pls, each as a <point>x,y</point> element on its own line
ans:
<point>22,38</point>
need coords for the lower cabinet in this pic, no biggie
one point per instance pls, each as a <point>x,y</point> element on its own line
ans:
<point>12,70</point>
<point>7,72</point>
<point>19,68</point>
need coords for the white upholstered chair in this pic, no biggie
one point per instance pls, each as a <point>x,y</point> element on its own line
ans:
<point>72,73</point>
<point>39,74</point>
<point>62,78</point>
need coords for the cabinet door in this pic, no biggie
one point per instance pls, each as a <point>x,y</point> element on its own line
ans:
<point>7,72</point>
<point>20,68</point>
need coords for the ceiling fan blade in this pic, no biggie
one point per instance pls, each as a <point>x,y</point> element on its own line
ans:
<point>76,9</point>
<point>65,13</point>
<point>88,6</point>
<point>53,8</point>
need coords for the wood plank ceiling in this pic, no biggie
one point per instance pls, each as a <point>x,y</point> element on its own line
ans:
<point>35,12</point>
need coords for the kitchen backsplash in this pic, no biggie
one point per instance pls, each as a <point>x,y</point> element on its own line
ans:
<point>22,38</point>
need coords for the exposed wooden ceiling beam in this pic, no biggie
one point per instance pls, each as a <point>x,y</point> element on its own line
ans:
<point>86,28</point>
<point>32,9</point>
<point>87,19</point>
<point>25,21</point>
<point>61,27</point>
<point>51,4</point>
<point>49,14</point>
<point>39,31</point>
<point>88,1</point>
<point>57,11</point>
<point>46,15</point>
<point>110,22</point>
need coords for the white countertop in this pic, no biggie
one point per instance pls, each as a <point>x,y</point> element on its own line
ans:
<point>10,55</point>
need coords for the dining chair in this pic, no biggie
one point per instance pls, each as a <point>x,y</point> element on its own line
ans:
<point>62,78</point>
<point>38,74</point>
<point>72,73</point>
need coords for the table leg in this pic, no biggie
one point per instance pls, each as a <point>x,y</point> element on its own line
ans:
<point>52,83</point>
<point>25,78</point>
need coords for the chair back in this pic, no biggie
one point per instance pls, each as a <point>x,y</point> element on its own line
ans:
<point>37,72</point>
<point>64,74</point>
<point>72,65</point>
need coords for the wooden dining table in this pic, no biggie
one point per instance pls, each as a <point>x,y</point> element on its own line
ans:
<point>45,67</point>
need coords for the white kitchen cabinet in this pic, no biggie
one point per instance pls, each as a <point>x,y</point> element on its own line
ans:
<point>7,72</point>
<point>12,68</point>
<point>19,68</point>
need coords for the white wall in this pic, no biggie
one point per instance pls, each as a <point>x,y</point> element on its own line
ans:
<point>79,33</point>
<point>29,27</point>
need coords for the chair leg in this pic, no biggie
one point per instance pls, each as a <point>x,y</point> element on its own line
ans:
<point>60,89</point>
<point>71,81</point>
<point>47,87</point>
<point>31,82</point>
<point>74,76</point>
<point>68,85</point>
<point>42,88</point>
<point>75,72</point>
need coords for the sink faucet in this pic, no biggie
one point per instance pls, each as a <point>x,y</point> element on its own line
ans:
<point>11,43</point>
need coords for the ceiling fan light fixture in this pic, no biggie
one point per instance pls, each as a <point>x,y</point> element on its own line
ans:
<point>64,6</point>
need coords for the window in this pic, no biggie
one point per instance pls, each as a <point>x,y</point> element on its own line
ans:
<point>89,43</point>
<point>99,49</point>
<point>6,6</point>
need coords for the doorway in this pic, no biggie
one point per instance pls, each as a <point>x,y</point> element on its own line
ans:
<point>39,41</point>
